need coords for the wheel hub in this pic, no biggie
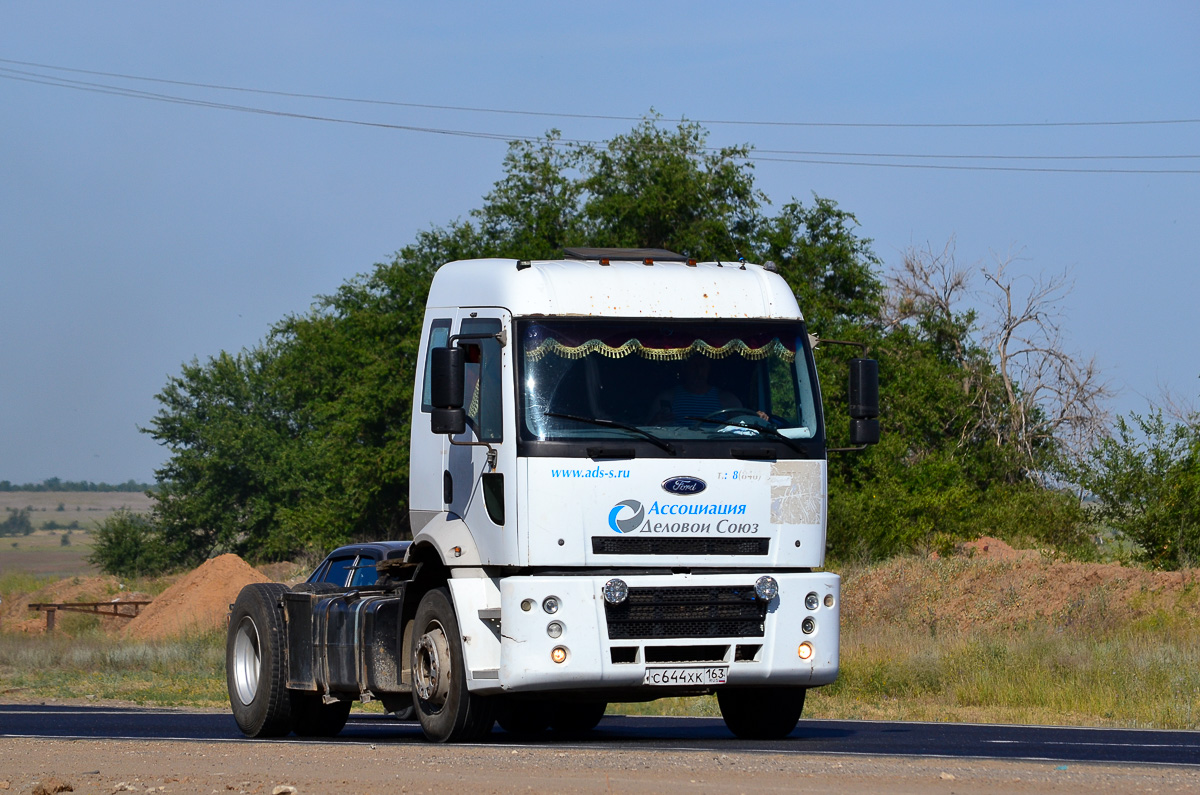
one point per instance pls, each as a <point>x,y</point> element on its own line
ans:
<point>431,666</point>
<point>246,661</point>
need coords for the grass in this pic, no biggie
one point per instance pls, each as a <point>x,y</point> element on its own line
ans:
<point>185,672</point>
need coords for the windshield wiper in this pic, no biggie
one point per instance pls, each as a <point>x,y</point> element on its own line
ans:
<point>665,445</point>
<point>766,430</point>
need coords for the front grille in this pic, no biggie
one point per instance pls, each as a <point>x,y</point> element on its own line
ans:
<point>725,611</point>
<point>624,545</point>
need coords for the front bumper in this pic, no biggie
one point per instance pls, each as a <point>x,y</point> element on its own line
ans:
<point>761,652</point>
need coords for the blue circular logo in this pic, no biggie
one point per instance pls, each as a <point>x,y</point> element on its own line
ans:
<point>683,485</point>
<point>629,524</point>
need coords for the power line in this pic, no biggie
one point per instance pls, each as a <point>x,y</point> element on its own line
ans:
<point>752,155</point>
<point>610,117</point>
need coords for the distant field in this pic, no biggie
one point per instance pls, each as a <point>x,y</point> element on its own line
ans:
<point>89,508</point>
<point>42,553</point>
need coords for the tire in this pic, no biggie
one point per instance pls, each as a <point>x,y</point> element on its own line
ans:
<point>314,718</point>
<point>448,712</point>
<point>523,718</point>
<point>256,662</point>
<point>761,713</point>
<point>577,717</point>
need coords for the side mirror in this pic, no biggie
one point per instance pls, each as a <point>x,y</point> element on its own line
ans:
<point>446,390</point>
<point>864,401</point>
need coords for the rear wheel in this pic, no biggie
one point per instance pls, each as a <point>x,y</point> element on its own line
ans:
<point>762,713</point>
<point>255,662</point>
<point>448,712</point>
<point>577,717</point>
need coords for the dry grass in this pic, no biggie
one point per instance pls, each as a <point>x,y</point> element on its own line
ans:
<point>1012,640</point>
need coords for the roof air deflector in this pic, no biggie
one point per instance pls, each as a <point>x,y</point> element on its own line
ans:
<point>624,254</point>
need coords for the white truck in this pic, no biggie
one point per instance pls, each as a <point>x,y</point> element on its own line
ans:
<point>618,493</point>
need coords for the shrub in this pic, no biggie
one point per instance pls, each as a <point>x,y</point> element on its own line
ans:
<point>128,544</point>
<point>16,523</point>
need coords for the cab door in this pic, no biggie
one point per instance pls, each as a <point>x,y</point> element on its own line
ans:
<point>483,495</point>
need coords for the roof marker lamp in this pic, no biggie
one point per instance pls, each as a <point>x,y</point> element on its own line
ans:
<point>766,588</point>
<point>615,591</point>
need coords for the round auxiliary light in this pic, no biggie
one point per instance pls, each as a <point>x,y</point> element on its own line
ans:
<point>554,629</point>
<point>766,588</point>
<point>808,626</point>
<point>559,654</point>
<point>805,652</point>
<point>615,591</point>
<point>829,600</point>
<point>527,605</point>
<point>550,604</point>
<point>812,601</point>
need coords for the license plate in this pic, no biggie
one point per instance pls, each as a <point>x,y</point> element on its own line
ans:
<point>713,675</point>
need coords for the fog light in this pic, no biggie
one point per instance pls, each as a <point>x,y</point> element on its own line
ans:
<point>766,588</point>
<point>559,654</point>
<point>615,591</point>
<point>554,629</point>
<point>527,605</point>
<point>812,601</point>
<point>808,626</point>
<point>550,604</point>
<point>805,651</point>
<point>829,600</point>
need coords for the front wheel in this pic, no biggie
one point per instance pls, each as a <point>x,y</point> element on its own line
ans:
<point>314,718</point>
<point>761,713</point>
<point>577,717</point>
<point>448,712</point>
<point>255,662</point>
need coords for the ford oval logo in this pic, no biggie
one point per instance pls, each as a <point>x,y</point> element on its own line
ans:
<point>684,484</point>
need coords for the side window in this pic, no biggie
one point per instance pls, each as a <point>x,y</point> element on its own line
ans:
<point>337,571</point>
<point>365,572</point>
<point>439,335</point>
<point>484,393</point>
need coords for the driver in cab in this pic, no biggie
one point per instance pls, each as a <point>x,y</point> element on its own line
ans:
<point>694,397</point>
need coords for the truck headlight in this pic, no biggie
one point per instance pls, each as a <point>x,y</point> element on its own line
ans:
<point>812,601</point>
<point>766,588</point>
<point>550,604</point>
<point>615,591</point>
<point>554,629</point>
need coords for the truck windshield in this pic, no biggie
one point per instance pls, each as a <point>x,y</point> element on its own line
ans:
<point>586,379</point>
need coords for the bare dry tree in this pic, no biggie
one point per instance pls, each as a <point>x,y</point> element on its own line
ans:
<point>1054,397</point>
<point>1024,390</point>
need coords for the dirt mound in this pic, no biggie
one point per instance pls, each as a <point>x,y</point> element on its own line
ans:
<point>17,616</point>
<point>197,603</point>
<point>1001,588</point>
<point>994,549</point>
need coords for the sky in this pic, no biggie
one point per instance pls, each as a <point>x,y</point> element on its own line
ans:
<point>137,234</point>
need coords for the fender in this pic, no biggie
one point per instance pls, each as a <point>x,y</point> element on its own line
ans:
<point>450,538</point>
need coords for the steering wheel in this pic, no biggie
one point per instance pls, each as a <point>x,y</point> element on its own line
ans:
<point>725,415</point>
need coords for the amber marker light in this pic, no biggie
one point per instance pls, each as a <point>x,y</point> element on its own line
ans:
<point>558,654</point>
<point>805,651</point>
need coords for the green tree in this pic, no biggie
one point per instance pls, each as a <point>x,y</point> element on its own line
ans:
<point>1147,479</point>
<point>302,441</point>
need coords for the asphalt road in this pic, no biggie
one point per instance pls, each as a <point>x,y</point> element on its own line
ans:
<point>874,738</point>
